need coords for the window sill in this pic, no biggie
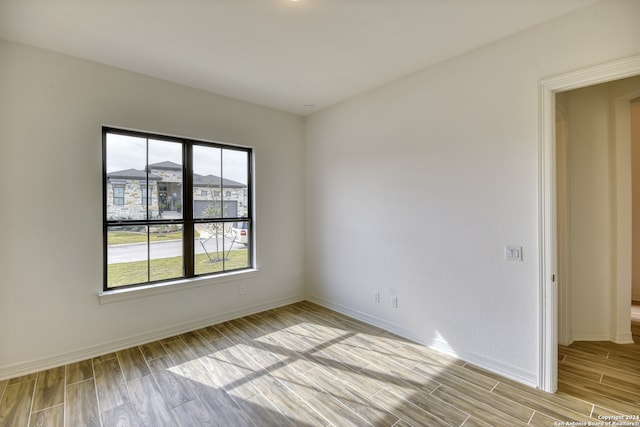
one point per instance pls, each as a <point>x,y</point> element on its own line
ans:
<point>116,295</point>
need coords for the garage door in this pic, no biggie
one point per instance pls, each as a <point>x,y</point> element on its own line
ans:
<point>230,208</point>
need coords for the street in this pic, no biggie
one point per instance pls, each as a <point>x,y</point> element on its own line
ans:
<point>172,248</point>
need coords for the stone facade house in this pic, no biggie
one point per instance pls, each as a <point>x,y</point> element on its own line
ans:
<point>128,192</point>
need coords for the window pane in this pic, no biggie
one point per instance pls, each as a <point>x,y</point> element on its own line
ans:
<point>220,247</point>
<point>165,251</point>
<point>237,240</point>
<point>165,179</point>
<point>209,247</point>
<point>127,256</point>
<point>235,176</point>
<point>207,170</point>
<point>126,157</point>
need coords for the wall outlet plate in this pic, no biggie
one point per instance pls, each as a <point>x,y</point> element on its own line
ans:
<point>513,253</point>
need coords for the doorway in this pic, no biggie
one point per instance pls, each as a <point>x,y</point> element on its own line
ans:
<point>549,293</point>
<point>594,212</point>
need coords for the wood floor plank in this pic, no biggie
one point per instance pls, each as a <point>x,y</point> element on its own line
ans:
<point>631,383</point>
<point>387,373</point>
<point>178,351</point>
<point>506,405</point>
<point>610,365</point>
<point>16,403</point>
<point>198,344</point>
<point>579,369</point>
<point>283,347</point>
<point>49,389</point>
<point>478,409</point>
<point>228,377</point>
<point>454,376</point>
<point>110,384</point>
<point>264,414</point>
<point>50,417</point>
<point>104,357</point>
<point>23,378</point>
<point>592,394</point>
<point>79,371</point>
<point>120,416</point>
<point>148,403</point>
<point>82,405</point>
<point>358,402</point>
<point>327,380</point>
<point>174,387</point>
<point>405,410</point>
<point>153,350</point>
<point>603,395</point>
<point>335,411</point>
<point>193,414</point>
<point>221,407</point>
<point>541,420</point>
<point>286,401</point>
<point>448,413</point>
<point>3,385</point>
<point>273,365</point>
<point>211,334</point>
<point>543,406</point>
<point>133,363</point>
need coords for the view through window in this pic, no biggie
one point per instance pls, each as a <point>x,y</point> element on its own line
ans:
<point>173,208</point>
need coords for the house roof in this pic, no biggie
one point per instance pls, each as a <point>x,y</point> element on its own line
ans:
<point>198,180</point>
<point>166,165</point>
<point>214,181</point>
<point>132,174</point>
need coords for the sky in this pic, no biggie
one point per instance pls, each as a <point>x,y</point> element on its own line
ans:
<point>129,152</point>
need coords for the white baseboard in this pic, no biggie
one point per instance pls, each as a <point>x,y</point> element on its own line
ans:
<point>591,336</point>
<point>24,368</point>
<point>434,343</point>
<point>624,338</point>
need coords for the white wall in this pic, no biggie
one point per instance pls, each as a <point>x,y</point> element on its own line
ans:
<point>413,190</point>
<point>52,108</point>
<point>591,210</point>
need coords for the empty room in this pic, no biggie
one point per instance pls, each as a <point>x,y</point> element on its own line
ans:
<point>319,213</point>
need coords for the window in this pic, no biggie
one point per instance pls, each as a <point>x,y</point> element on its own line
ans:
<point>118,194</point>
<point>143,194</point>
<point>160,222</point>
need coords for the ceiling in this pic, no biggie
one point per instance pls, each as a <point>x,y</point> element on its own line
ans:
<point>281,54</point>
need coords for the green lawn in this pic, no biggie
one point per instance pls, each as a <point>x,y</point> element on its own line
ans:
<point>129,273</point>
<point>120,237</point>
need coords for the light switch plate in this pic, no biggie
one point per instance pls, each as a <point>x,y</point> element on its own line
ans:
<point>513,253</point>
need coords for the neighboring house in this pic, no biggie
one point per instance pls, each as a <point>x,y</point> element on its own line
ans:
<point>127,191</point>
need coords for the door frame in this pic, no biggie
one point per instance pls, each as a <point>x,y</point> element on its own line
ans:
<point>548,292</point>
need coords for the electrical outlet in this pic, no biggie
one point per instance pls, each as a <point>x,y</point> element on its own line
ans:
<point>243,290</point>
<point>394,302</point>
<point>376,296</point>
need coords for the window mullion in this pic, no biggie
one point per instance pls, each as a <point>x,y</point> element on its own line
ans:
<point>187,210</point>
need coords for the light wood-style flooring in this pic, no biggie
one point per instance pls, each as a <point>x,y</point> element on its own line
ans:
<point>304,365</point>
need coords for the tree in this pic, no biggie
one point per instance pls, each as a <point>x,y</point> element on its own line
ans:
<point>215,229</point>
